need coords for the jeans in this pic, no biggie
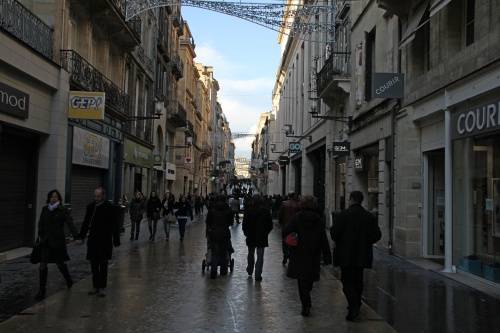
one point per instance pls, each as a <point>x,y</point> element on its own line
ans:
<point>219,256</point>
<point>182,226</point>
<point>135,225</point>
<point>251,261</point>
<point>99,270</point>
<point>166,226</point>
<point>152,226</point>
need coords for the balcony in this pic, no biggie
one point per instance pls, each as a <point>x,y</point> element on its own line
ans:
<point>86,78</point>
<point>22,24</point>
<point>143,58</point>
<point>110,16</point>
<point>333,80</point>
<point>177,115</point>
<point>177,67</point>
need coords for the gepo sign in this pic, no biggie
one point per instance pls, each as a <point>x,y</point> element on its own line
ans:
<point>13,101</point>
<point>86,105</point>
<point>388,85</point>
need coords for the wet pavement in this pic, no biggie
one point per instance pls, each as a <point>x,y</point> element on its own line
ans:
<point>160,287</point>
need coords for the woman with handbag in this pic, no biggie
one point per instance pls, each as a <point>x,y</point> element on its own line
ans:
<point>53,240</point>
<point>153,209</point>
<point>305,257</point>
<point>168,212</point>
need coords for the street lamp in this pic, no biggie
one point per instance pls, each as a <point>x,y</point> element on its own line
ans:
<point>288,130</point>
<point>157,115</point>
<point>189,143</point>
<point>347,120</point>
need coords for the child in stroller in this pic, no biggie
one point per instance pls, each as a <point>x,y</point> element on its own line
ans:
<point>207,262</point>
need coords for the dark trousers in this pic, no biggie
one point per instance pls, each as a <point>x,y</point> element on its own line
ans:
<point>182,226</point>
<point>305,288</point>
<point>219,256</point>
<point>285,247</point>
<point>99,273</point>
<point>352,286</point>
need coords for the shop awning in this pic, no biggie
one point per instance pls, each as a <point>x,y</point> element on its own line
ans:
<point>437,5</point>
<point>414,24</point>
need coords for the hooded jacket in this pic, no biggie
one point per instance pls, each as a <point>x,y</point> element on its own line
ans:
<point>257,224</point>
<point>219,219</point>
<point>305,258</point>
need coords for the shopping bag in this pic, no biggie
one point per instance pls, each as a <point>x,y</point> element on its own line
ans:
<point>292,239</point>
<point>171,218</point>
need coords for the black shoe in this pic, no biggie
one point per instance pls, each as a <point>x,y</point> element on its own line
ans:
<point>213,275</point>
<point>102,292</point>
<point>151,237</point>
<point>94,291</point>
<point>306,311</point>
<point>352,316</point>
<point>132,238</point>
<point>258,278</point>
<point>285,260</point>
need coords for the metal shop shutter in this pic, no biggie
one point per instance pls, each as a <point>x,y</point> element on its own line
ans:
<point>83,182</point>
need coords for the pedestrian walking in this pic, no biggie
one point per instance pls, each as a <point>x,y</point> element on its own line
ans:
<point>100,225</point>
<point>153,210</point>
<point>168,203</point>
<point>52,239</point>
<point>305,258</point>
<point>257,224</point>
<point>288,208</point>
<point>219,219</point>
<point>234,203</point>
<point>354,231</point>
<point>137,209</point>
<point>183,211</point>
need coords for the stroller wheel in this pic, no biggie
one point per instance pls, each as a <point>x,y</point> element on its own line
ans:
<point>231,265</point>
<point>203,266</point>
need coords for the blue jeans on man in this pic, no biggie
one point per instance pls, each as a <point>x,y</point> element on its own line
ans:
<point>251,264</point>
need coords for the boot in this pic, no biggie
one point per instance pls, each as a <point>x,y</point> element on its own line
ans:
<point>43,282</point>
<point>136,236</point>
<point>132,236</point>
<point>64,270</point>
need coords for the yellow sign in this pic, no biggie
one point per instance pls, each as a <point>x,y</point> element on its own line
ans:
<point>86,105</point>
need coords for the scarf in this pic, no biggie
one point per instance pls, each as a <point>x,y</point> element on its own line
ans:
<point>54,206</point>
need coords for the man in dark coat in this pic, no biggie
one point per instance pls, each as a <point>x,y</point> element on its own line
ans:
<point>288,208</point>
<point>219,219</point>
<point>354,231</point>
<point>101,224</point>
<point>257,224</point>
<point>305,258</point>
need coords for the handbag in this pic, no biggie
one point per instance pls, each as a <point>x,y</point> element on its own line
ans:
<point>171,218</point>
<point>36,252</point>
<point>292,239</point>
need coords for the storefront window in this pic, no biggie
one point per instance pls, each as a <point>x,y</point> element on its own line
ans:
<point>372,200</point>
<point>476,206</point>
<point>340,180</point>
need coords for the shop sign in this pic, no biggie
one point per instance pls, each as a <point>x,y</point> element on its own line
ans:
<point>157,159</point>
<point>90,149</point>
<point>283,160</point>
<point>360,163</point>
<point>341,148</point>
<point>388,85</point>
<point>13,101</point>
<point>137,154</point>
<point>476,120</point>
<point>86,105</point>
<point>294,147</point>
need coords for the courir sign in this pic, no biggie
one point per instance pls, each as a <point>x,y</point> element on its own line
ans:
<point>475,120</point>
<point>13,101</point>
<point>388,85</point>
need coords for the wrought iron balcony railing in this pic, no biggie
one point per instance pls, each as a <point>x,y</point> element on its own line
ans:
<point>24,25</point>
<point>84,76</point>
<point>134,23</point>
<point>336,66</point>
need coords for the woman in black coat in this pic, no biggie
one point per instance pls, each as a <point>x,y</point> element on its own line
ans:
<point>183,210</point>
<point>219,219</point>
<point>153,209</point>
<point>53,240</point>
<point>305,258</point>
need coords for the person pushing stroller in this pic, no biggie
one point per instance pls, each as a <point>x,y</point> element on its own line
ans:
<point>219,219</point>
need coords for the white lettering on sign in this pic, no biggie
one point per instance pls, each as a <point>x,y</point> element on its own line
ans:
<point>387,85</point>
<point>482,118</point>
<point>86,102</point>
<point>358,163</point>
<point>140,154</point>
<point>12,100</point>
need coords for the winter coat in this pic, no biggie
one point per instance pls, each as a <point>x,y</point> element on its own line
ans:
<point>257,224</point>
<point>102,225</point>
<point>354,231</point>
<point>184,209</point>
<point>305,258</point>
<point>154,206</point>
<point>288,208</point>
<point>137,209</point>
<point>51,227</point>
<point>219,219</point>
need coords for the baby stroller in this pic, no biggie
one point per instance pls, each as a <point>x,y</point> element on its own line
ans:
<point>206,263</point>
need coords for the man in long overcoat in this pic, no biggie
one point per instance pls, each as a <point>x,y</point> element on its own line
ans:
<point>101,226</point>
<point>288,208</point>
<point>257,224</point>
<point>354,231</point>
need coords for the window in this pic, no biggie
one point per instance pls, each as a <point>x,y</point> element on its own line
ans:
<point>470,12</point>
<point>73,31</point>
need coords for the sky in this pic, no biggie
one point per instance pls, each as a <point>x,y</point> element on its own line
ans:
<point>245,58</point>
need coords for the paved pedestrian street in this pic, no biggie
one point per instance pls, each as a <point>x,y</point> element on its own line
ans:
<point>162,287</point>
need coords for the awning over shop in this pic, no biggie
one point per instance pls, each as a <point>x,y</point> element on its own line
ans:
<point>414,25</point>
<point>437,5</point>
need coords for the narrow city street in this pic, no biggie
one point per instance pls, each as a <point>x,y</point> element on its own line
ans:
<point>160,287</point>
